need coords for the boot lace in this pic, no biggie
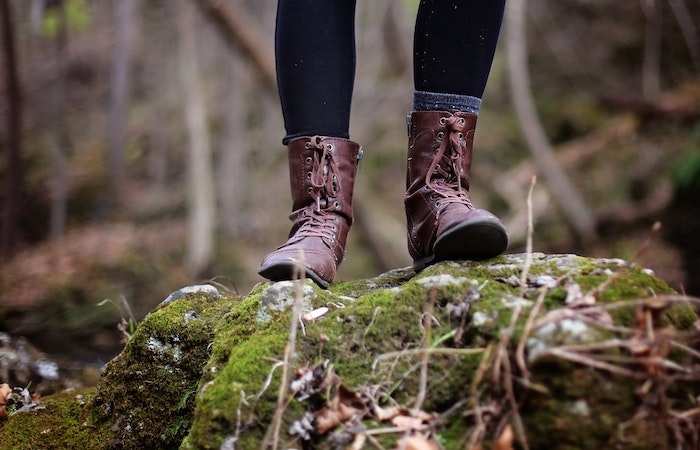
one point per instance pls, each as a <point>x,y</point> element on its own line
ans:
<point>325,186</point>
<point>444,177</point>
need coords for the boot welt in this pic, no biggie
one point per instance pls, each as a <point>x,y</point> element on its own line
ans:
<point>477,239</point>
<point>283,271</point>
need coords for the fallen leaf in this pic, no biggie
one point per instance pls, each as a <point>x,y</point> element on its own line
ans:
<point>359,442</point>
<point>389,413</point>
<point>5,390</point>
<point>333,415</point>
<point>417,442</point>
<point>407,422</point>
<point>308,382</point>
<point>346,405</point>
<point>505,440</point>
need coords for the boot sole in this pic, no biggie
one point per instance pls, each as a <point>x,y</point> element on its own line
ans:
<point>288,272</point>
<point>471,240</point>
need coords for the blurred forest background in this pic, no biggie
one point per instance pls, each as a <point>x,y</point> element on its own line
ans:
<point>142,148</point>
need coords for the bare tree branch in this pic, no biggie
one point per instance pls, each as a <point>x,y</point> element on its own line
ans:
<point>568,198</point>
<point>241,28</point>
<point>651,66</point>
<point>688,29</point>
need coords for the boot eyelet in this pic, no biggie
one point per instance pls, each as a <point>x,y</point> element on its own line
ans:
<point>461,135</point>
<point>336,220</point>
<point>329,146</point>
<point>337,205</point>
<point>462,121</point>
<point>310,190</point>
<point>308,175</point>
<point>307,145</point>
<point>440,135</point>
<point>442,121</point>
<point>309,160</point>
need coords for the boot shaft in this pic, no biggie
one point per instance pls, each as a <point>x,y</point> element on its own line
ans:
<point>428,131</point>
<point>322,176</point>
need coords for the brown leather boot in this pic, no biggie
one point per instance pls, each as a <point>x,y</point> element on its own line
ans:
<point>322,175</point>
<point>441,220</point>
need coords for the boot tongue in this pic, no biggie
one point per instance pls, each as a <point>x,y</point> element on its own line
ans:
<point>324,175</point>
<point>447,163</point>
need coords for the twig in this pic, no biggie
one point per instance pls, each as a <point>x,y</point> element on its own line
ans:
<point>479,429</point>
<point>645,245</point>
<point>510,395</point>
<point>528,245</point>
<point>520,350</point>
<point>274,429</point>
<point>430,351</point>
<point>502,360</point>
<point>587,361</point>
<point>371,322</point>
<point>686,349</point>
<point>374,442</point>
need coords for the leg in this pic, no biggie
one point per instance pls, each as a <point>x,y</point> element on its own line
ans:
<point>455,41</point>
<point>454,44</point>
<point>315,49</point>
<point>315,55</point>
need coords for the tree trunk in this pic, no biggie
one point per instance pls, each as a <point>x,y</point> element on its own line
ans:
<point>201,191</point>
<point>10,210</point>
<point>59,147</point>
<point>231,173</point>
<point>119,101</point>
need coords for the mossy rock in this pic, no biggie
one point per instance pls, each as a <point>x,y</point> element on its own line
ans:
<point>454,354</point>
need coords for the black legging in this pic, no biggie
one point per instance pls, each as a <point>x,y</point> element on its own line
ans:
<point>454,44</point>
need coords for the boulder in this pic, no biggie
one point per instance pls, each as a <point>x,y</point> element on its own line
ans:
<point>546,351</point>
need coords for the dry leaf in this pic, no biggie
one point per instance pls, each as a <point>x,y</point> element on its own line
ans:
<point>333,415</point>
<point>407,422</point>
<point>359,442</point>
<point>308,382</point>
<point>5,390</point>
<point>344,406</point>
<point>383,414</point>
<point>417,442</point>
<point>505,440</point>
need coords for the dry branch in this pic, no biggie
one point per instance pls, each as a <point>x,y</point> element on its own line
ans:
<point>242,29</point>
<point>677,105</point>
<point>568,198</point>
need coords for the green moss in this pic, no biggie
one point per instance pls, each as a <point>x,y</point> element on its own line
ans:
<point>146,392</point>
<point>64,423</point>
<point>197,382</point>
